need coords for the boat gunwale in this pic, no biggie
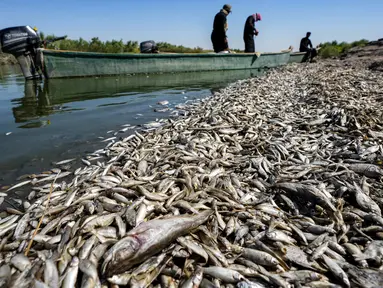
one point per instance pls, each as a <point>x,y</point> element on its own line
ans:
<point>65,53</point>
<point>298,53</point>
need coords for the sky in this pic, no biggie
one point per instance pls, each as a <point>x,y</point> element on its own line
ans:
<point>189,23</point>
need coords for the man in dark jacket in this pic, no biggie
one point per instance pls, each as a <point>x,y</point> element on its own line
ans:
<point>307,46</point>
<point>250,31</point>
<point>218,36</point>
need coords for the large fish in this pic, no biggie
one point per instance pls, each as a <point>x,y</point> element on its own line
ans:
<point>148,239</point>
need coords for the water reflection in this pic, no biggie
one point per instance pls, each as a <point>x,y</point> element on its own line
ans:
<point>105,103</point>
<point>35,104</point>
<point>49,97</point>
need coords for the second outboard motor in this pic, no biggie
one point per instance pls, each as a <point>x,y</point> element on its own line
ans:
<point>148,47</point>
<point>23,42</point>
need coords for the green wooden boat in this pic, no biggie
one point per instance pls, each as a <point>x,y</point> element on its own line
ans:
<point>297,57</point>
<point>64,64</point>
<point>24,43</point>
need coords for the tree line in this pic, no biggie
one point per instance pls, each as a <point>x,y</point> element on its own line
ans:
<point>328,49</point>
<point>114,46</point>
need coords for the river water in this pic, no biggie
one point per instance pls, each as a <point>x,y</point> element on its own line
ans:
<point>48,121</point>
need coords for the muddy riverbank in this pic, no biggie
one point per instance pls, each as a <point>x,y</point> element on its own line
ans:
<point>370,56</point>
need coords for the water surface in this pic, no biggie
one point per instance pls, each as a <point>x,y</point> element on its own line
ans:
<point>46,121</point>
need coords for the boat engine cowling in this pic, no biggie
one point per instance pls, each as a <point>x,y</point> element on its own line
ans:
<point>18,40</point>
<point>148,47</point>
<point>24,43</point>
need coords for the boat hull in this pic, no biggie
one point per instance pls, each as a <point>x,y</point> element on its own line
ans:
<point>297,57</point>
<point>64,64</point>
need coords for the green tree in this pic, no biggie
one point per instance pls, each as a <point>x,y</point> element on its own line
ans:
<point>42,35</point>
<point>114,46</point>
<point>96,45</point>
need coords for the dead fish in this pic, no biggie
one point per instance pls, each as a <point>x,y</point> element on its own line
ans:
<point>152,125</point>
<point>368,170</point>
<point>139,244</point>
<point>224,274</point>
<point>164,102</point>
<point>65,161</point>
<point>51,275</point>
<point>336,270</point>
<point>195,280</point>
<point>20,262</point>
<point>19,185</point>
<point>71,275</point>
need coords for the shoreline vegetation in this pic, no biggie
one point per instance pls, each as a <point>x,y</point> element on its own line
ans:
<point>335,49</point>
<point>271,181</point>
<point>328,49</point>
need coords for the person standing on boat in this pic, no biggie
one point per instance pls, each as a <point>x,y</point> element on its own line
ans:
<point>250,31</point>
<point>218,36</point>
<point>307,46</point>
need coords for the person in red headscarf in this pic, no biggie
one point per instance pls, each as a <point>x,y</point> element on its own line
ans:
<point>250,31</point>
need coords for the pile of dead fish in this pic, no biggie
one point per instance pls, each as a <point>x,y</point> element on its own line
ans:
<point>271,182</point>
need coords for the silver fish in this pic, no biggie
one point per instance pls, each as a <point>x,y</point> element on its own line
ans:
<point>147,239</point>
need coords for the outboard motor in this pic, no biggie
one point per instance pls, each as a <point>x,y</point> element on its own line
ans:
<point>148,47</point>
<point>23,42</point>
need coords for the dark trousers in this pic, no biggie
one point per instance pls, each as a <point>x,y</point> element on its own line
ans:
<point>310,54</point>
<point>219,43</point>
<point>249,43</point>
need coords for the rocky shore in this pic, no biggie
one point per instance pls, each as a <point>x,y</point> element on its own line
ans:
<point>272,182</point>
